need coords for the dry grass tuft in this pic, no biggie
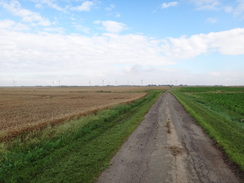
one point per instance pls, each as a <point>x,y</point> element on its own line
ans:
<point>168,126</point>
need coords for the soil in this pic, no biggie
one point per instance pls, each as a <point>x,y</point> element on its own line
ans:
<point>168,147</point>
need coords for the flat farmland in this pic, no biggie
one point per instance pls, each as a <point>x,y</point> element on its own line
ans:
<point>23,108</point>
<point>152,139</point>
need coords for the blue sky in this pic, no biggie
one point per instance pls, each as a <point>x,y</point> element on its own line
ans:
<point>82,42</point>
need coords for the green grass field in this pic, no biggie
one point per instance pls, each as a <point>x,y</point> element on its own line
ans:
<point>76,151</point>
<point>220,111</point>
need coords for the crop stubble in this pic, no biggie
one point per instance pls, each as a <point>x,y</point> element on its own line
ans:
<point>24,109</point>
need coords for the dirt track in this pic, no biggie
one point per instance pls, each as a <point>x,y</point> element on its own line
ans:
<point>168,147</point>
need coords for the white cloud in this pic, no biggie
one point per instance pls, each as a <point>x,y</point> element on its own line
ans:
<point>170,4</point>
<point>76,51</point>
<point>215,74</point>
<point>112,26</point>
<point>226,42</point>
<point>111,12</point>
<point>26,52</point>
<point>239,10</point>
<point>28,16</point>
<point>110,7</point>
<point>110,56</point>
<point>228,9</point>
<point>85,6</point>
<point>49,3</point>
<point>82,28</point>
<point>236,7</point>
<point>12,25</point>
<point>211,20</point>
<point>206,4</point>
<point>58,30</point>
<point>117,14</point>
<point>6,24</point>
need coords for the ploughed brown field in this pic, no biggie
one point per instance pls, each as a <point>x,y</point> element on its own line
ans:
<point>26,108</point>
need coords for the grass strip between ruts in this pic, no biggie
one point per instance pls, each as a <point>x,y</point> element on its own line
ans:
<point>73,155</point>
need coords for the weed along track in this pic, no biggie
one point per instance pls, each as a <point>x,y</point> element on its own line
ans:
<point>168,147</point>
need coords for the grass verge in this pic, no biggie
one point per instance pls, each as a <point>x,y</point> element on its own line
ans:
<point>226,133</point>
<point>77,151</point>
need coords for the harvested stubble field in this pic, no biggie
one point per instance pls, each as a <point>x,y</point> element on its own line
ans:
<point>23,108</point>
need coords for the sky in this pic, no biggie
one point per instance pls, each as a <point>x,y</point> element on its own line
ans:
<point>129,42</point>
